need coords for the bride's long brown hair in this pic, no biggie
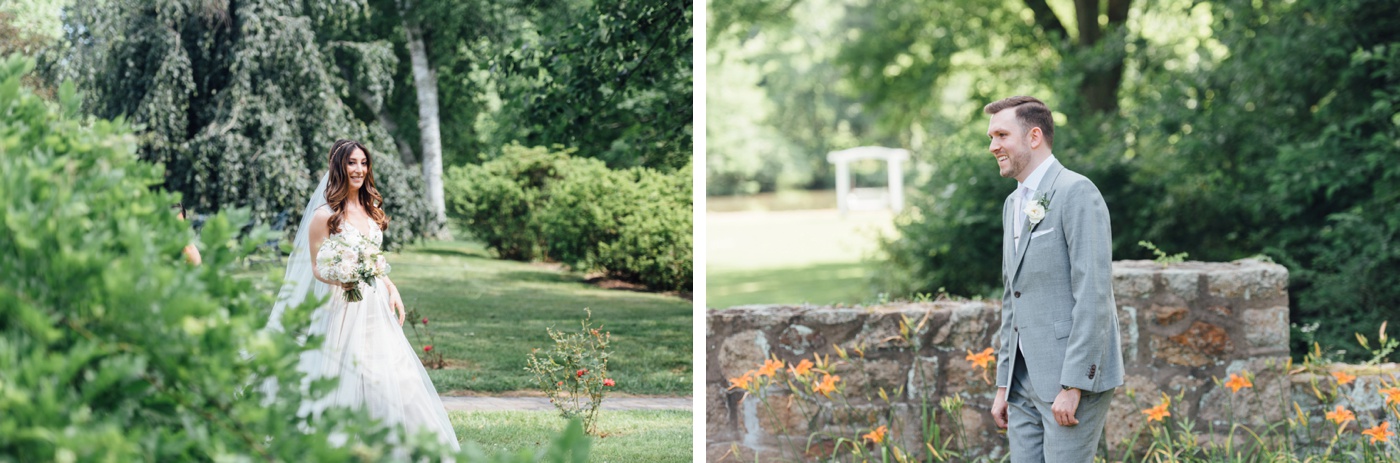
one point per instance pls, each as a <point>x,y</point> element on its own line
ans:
<point>338,186</point>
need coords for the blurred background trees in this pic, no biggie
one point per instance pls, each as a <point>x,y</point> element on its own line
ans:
<point>1225,129</point>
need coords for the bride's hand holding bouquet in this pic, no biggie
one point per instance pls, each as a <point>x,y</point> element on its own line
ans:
<point>351,261</point>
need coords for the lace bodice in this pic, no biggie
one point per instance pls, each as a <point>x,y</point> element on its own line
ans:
<point>375,235</point>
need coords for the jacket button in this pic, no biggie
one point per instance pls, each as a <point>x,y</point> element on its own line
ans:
<point>1017,294</point>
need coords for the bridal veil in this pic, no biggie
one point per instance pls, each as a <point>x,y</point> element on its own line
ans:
<point>299,281</point>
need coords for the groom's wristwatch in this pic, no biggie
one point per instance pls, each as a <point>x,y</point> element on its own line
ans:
<point>1068,388</point>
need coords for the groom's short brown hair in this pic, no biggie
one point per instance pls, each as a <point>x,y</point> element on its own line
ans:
<point>1030,111</point>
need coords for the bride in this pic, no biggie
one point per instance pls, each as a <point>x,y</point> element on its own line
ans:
<point>364,345</point>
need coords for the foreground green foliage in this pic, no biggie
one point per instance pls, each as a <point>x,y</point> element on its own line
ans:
<point>532,203</point>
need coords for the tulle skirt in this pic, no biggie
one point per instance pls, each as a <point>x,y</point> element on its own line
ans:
<point>378,369</point>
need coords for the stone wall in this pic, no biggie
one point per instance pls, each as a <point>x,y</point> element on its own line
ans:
<point>1182,327</point>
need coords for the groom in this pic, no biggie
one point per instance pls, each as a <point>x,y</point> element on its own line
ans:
<point>1060,359</point>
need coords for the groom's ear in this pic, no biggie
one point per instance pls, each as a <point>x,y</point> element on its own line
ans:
<point>1037,137</point>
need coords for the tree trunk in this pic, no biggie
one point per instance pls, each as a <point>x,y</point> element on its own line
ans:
<point>405,149</point>
<point>425,82</point>
<point>1099,89</point>
<point>1100,86</point>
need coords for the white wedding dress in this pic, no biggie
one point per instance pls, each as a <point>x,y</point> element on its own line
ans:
<point>364,345</point>
<point>379,370</point>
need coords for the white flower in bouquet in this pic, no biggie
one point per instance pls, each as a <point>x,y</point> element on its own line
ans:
<point>383,264</point>
<point>351,260</point>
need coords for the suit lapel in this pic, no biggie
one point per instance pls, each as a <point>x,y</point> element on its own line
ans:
<point>1051,176</point>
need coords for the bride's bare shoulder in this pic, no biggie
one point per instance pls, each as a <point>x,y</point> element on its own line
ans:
<point>321,219</point>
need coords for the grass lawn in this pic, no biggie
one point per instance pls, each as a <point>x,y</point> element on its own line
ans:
<point>650,436</point>
<point>814,256</point>
<point>820,284</point>
<point>488,313</point>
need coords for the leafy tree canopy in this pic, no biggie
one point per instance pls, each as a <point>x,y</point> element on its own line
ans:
<point>240,101</point>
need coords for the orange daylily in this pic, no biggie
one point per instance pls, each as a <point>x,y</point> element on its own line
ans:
<point>827,385</point>
<point>742,382</point>
<point>802,368</point>
<point>1160,411</point>
<point>1392,395</point>
<point>876,436</point>
<point>1237,382</point>
<point>1343,378</point>
<point>770,367</point>
<point>1340,416</point>
<point>981,359</point>
<point>1380,432</point>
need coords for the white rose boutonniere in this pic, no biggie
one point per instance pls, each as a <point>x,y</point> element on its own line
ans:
<point>1036,209</point>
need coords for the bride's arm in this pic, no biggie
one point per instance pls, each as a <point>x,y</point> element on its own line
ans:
<point>317,235</point>
<point>393,290</point>
<point>395,302</point>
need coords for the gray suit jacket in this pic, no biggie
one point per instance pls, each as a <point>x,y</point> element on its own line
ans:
<point>1058,298</point>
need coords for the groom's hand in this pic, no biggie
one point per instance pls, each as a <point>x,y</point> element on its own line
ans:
<point>999,408</point>
<point>1064,407</point>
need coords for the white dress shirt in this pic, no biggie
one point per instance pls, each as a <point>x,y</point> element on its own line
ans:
<point>1028,190</point>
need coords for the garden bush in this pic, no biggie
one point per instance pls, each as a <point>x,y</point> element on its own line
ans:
<point>496,200</point>
<point>112,347</point>
<point>654,243</point>
<point>583,208</point>
<point>532,203</point>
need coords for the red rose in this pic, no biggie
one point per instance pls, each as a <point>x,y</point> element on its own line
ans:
<point>609,382</point>
<point>581,373</point>
<point>427,348</point>
<point>425,320</point>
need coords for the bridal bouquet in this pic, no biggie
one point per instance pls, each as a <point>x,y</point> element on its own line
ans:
<point>350,260</point>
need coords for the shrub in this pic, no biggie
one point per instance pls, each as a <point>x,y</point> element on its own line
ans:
<point>633,224</point>
<point>496,201</point>
<point>573,372</point>
<point>584,207</point>
<point>654,242</point>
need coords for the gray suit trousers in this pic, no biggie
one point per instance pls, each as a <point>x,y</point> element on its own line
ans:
<point>1034,435</point>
